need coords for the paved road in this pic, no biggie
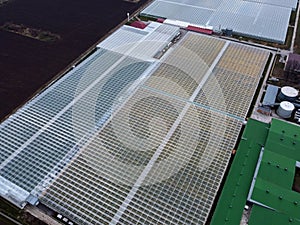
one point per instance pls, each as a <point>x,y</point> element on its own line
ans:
<point>10,219</point>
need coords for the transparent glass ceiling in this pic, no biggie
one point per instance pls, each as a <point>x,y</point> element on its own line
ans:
<point>119,140</point>
<point>261,19</point>
<point>162,156</point>
<point>42,137</point>
<point>141,44</point>
<point>287,3</point>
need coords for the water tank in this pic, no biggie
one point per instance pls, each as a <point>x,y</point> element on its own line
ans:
<point>285,109</point>
<point>288,94</point>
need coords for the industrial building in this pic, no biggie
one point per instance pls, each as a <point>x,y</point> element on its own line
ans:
<point>278,102</point>
<point>140,132</point>
<point>264,176</point>
<point>264,20</point>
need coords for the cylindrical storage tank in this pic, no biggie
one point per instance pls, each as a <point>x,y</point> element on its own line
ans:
<point>285,109</point>
<point>288,94</point>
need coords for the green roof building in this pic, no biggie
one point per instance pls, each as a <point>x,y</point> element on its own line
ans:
<point>266,174</point>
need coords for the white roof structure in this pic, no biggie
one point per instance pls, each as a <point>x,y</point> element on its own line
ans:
<point>286,3</point>
<point>289,91</point>
<point>285,109</point>
<point>120,140</point>
<point>141,44</point>
<point>285,105</point>
<point>266,20</point>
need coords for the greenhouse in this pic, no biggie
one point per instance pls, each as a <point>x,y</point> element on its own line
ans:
<point>265,20</point>
<point>124,139</point>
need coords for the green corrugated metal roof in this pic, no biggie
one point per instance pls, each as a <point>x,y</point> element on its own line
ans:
<point>264,216</point>
<point>274,180</point>
<point>277,169</point>
<point>284,139</point>
<point>280,199</point>
<point>234,194</point>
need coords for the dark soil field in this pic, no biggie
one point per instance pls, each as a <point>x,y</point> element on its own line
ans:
<point>27,64</point>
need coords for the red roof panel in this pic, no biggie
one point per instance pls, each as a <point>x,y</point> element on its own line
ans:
<point>138,24</point>
<point>199,29</point>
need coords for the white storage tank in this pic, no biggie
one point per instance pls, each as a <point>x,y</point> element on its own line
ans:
<point>285,109</point>
<point>288,94</point>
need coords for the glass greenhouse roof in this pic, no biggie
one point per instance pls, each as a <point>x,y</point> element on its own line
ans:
<point>120,140</point>
<point>152,39</point>
<point>286,3</point>
<point>261,19</point>
<point>41,137</point>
